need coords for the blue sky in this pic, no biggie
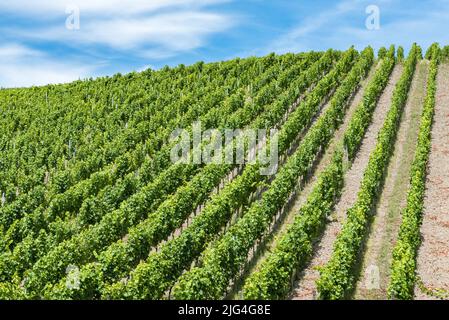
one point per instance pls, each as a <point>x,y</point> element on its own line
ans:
<point>39,42</point>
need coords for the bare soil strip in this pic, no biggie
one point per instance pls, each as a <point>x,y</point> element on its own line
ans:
<point>256,257</point>
<point>433,255</point>
<point>377,253</point>
<point>327,156</point>
<point>305,288</point>
<point>258,253</point>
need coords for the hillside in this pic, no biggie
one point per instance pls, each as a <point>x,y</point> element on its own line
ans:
<point>353,206</point>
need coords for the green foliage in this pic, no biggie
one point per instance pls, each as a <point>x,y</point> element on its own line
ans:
<point>400,54</point>
<point>274,277</point>
<point>445,53</point>
<point>153,277</point>
<point>433,52</point>
<point>115,223</point>
<point>45,229</point>
<point>146,199</point>
<point>403,277</point>
<point>382,53</point>
<point>86,176</point>
<point>336,277</point>
<point>224,258</point>
<point>362,116</point>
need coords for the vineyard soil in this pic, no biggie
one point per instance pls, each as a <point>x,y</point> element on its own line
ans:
<point>93,205</point>
<point>306,287</point>
<point>433,256</point>
<point>387,217</point>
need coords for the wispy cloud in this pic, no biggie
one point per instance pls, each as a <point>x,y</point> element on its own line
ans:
<point>23,66</point>
<point>134,26</point>
<point>343,25</point>
<point>121,35</point>
<point>45,8</point>
<point>138,29</point>
<point>14,51</point>
<point>173,32</point>
<point>313,23</point>
<point>293,39</point>
<point>424,28</point>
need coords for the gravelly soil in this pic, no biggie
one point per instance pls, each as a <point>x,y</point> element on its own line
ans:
<point>385,227</point>
<point>327,157</point>
<point>322,163</point>
<point>306,287</point>
<point>433,255</point>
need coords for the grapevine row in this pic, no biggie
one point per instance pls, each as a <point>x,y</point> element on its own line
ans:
<point>177,114</point>
<point>122,256</point>
<point>177,254</point>
<point>112,225</point>
<point>336,278</point>
<point>104,111</point>
<point>171,207</point>
<point>223,260</point>
<point>73,199</point>
<point>273,279</point>
<point>403,266</point>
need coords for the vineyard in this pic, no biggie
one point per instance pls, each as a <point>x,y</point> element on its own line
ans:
<point>93,207</point>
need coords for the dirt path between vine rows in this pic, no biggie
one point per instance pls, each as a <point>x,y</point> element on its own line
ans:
<point>433,255</point>
<point>305,288</point>
<point>376,262</point>
<point>301,197</point>
<point>327,156</point>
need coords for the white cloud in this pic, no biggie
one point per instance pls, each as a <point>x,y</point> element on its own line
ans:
<point>173,31</point>
<point>149,29</point>
<point>15,51</point>
<point>314,23</point>
<point>424,29</point>
<point>98,7</point>
<point>292,40</point>
<point>134,27</point>
<point>40,73</point>
<point>21,66</point>
<point>344,25</point>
